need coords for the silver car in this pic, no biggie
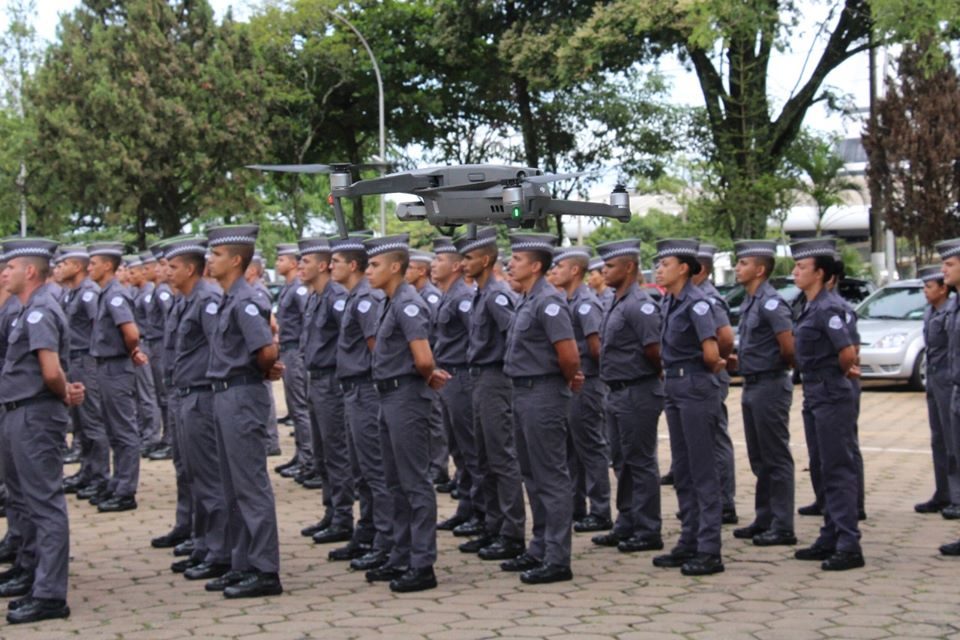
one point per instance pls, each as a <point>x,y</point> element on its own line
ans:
<point>891,334</point>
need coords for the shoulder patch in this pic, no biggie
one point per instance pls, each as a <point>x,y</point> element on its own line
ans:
<point>835,322</point>
<point>552,309</point>
<point>301,290</point>
<point>35,317</point>
<point>771,304</point>
<point>701,308</point>
<point>148,297</point>
<point>251,310</point>
<point>648,308</point>
<point>501,300</point>
<point>212,308</point>
<point>411,310</point>
<point>364,306</point>
<point>433,298</point>
<point>87,296</point>
<point>584,309</point>
<point>164,296</point>
<point>340,304</point>
<point>117,301</point>
<point>464,306</point>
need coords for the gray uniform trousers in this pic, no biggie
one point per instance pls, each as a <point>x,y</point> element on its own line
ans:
<point>298,406</point>
<point>362,410</point>
<point>241,425</point>
<point>816,477</point>
<point>457,400</point>
<point>328,416</point>
<point>118,399</point>
<point>766,427</point>
<point>943,439</point>
<point>501,483</point>
<point>272,433</point>
<point>13,507</point>
<point>35,433</point>
<point>196,434</point>
<point>155,353</point>
<point>590,448</point>
<point>693,411</point>
<point>440,463</point>
<point>185,502</point>
<point>540,414</point>
<point>405,442</point>
<point>725,464</point>
<point>635,412</point>
<point>88,421</point>
<point>149,422</point>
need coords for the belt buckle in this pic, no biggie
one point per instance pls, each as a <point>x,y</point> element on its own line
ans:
<point>681,372</point>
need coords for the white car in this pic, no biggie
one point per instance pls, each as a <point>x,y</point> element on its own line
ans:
<point>891,334</point>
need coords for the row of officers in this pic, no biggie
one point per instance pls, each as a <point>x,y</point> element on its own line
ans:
<point>529,382</point>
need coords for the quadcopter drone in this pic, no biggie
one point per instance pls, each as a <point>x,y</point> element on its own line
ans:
<point>466,194</point>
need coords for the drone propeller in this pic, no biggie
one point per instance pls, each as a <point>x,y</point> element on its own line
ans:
<point>555,177</point>
<point>318,168</point>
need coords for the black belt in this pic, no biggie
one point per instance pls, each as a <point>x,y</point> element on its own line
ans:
<point>288,345</point>
<point>750,378</point>
<point>349,383</point>
<point>684,369</point>
<point>110,358</point>
<point>619,385</point>
<point>322,371</point>
<point>197,388</point>
<point>16,404</point>
<point>528,382</point>
<point>76,353</point>
<point>821,375</point>
<point>477,369</point>
<point>392,384</point>
<point>453,369</point>
<point>235,381</point>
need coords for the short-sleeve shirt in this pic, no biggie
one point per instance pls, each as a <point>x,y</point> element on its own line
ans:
<point>115,308</point>
<point>171,322</point>
<point>452,329</point>
<point>405,317</point>
<point>763,316</point>
<point>8,314</point>
<point>821,333</point>
<point>40,325</point>
<point>243,328</point>
<point>291,305</point>
<point>195,329</point>
<point>631,325</point>
<point>321,326</point>
<point>262,297</point>
<point>80,307</point>
<point>607,297</point>
<point>142,301</point>
<point>357,325</point>
<point>542,319</point>
<point>586,312</point>
<point>688,320</point>
<point>158,307</point>
<point>491,318</point>
<point>432,296</point>
<point>936,336</point>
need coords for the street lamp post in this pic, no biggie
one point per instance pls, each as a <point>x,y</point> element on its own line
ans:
<point>383,142</point>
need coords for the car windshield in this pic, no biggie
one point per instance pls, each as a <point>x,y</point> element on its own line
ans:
<point>894,303</point>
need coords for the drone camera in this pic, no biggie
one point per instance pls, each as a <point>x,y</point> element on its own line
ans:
<point>513,201</point>
<point>411,211</point>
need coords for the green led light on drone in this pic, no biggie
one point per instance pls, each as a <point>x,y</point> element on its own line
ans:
<point>517,213</point>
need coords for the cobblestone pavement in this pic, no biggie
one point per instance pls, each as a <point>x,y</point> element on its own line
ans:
<point>121,588</point>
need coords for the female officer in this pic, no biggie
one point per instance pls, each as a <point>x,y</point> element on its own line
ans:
<point>691,361</point>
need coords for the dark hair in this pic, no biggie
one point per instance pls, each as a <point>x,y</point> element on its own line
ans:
<point>691,262</point>
<point>245,251</point>
<point>706,264</point>
<point>545,259</point>
<point>42,265</point>
<point>826,264</point>
<point>399,256</point>
<point>768,263</point>
<point>116,261</point>
<point>360,257</point>
<point>198,262</point>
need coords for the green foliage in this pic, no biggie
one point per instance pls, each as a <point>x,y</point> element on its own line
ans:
<point>655,225</point>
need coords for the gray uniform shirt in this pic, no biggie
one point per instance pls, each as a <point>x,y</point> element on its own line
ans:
<point>936,336</point>
<point>432,296</point>
<point>243,328</point>
<point>171,322</point>
<point>359,323</point>
<point>321,326</point>
<point>452,329</point>
<point>142,300</point>
<point>115,308</point>
<point>80,306</point>
<point>8,314</point>
<point>586,311</point>
<point>632,323</point>
<point>405,318</point>
<point>290,308</point>
<point>762,316</point>
<point>542,319</point>
<point>157,307</point>
<point>821,333</point>
<point>688,320</point>
<point>195,329</point>
<point>489,322</point>
<point>41,324</point>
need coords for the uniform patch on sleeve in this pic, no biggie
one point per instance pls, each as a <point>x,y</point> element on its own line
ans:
<point>149,298</point>
<point>117,301</point>
<point>34,317</point>
<point>584,309</point>
<point>87,296</point>
<point>771,304</point>
<point>849,317</point>
<point>501,300</point>
<point>251,310</point>
<point>433,298</point>
<point>364,306</point>
<point>301,290</point>
<point>552,309</point>
<point>164,296</point>
<point>701,308</point>
<point>411,310</point>
<point>340,304</point>
<point>464,306</point>
<point>212,308</point>
<point>648,308</point>
<point>835,322</point>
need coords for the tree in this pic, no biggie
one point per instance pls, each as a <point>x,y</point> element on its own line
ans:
<point>821,168</point>
<point>914,152</point>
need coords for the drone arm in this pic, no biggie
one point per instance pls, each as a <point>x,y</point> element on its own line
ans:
<point>339,217</point>
<point>593,209</point>
<point>399,183</point>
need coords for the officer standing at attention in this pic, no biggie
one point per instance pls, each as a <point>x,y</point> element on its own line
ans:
<point>765,355</point>
<point>35,394</point>
<point>597,282</point>
<point>630,366</point>
<point>242,355</point>
<point>12,540</point>
<point>501,484</point>
<point>691,361</point>
<point>404,372</point>
<point>148,411</point>
<point>115,343</point>
<point>291,305</point>
<point>827,357</point>
<point>263,299</point>
<point>154,270</point>
<point>543,364</point>
<point>721,313</point>
<point>590,452</point>
<point>949,251</point>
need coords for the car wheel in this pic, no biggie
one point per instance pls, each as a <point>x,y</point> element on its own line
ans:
<point>918,380</point>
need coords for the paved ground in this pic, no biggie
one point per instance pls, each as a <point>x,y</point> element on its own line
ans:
<point>121,588</point>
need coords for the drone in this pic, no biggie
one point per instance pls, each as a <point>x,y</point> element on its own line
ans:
<point>470,194</point>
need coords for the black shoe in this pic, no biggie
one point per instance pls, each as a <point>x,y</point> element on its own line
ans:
<point>117,503</point>
<point>675,559</point>
<point>286,465</point>
<point>92,490</point>
<point>274,452</point>
<point>775,539</point>
<point>748,532</point>
<point>861,515</point>
<point>303,475</point>
<point>843,561</point>
<point>308,532</point>
<point>502,548</point>
<point>71,457</point>
<point>667,479</point>
<point>414,580</point>
<point>37,609</point>
<point>951,512</point>
<point>474,545</point>
<point>161,453</point>
<point>104,495</point>
<point>370,560</point>
<point>291,472</point>
<point>729,516</point>
<point>11,573</point>
<point>546,573</point>
<point>352,551</point>
<point>19,602</point>
<point>523,562</point>
<point>441,478</point>
<point>470,528</point>
<point>814,552</point>
<point>333,533</point>
<point>450,523</point>
<point>313,482</point>
<point>640,543</point>
<point>454,492</point>
<point>181,566</point>
<point>8,551</point>
<point>206,571</point>
<point>147,449</point>
<point>810,510</point>
<point>950,549</point>
<point>287,419</point>
<point>592,523</point>
<point>384,573</point>
<point>169,540</point>
<point>185,548</point>
<point>611,539</point>
<point>74,483</point>
<point>228,579</point>
<point>704,564</point>
<point>18,585</point>
<point>255,585</point>
<point>930,506</point>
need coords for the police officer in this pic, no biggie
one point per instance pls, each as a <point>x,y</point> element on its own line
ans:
<point>148,410</point>
<point>242,355</point>
<point>501,483</point>
<point>691,361</point>
<point>765,355</point>
<point>12,540</point>
<point>949,251</point>
<point>590,452</point>
<point>34,391</point>
<point>596,281</point>
<point>158,306</point>
<point>115,343</point>
<point>404,372</point>
<point>826,357</point>
<point>630,367</point>
<point>263,299</point>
